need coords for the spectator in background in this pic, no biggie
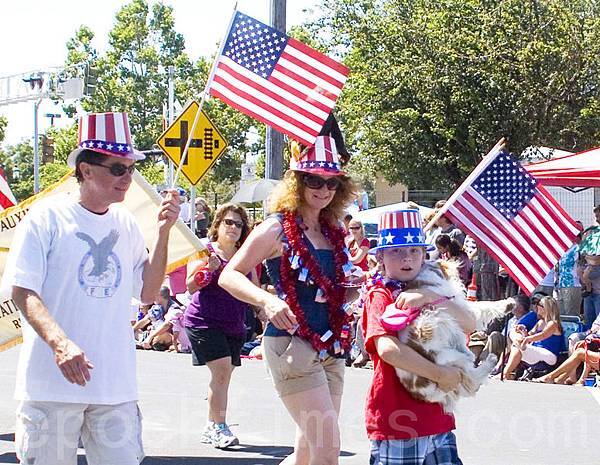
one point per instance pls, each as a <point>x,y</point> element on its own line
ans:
<point>186,211</point>
<point>347,219</point>
<point>493,340</point>
<point>447,227</point>
<point>450,249</point>
<point>486,275</point>
<point>568,287</point>
<point>547,284</point>
<point>590,278</point>
<point>542,344</point>
<point>203,213</point>
<point>358,245</point>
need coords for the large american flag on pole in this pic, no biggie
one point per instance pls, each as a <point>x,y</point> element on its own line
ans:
<point>276,79</point>
<point>513,217</point>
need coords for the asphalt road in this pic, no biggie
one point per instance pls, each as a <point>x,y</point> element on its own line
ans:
<point>508,423</point>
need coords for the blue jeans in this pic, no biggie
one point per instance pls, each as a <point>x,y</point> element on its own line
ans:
<point>591,308</point>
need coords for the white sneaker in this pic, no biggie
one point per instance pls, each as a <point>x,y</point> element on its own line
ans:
<point>222,437</point>
<point>207,433</point>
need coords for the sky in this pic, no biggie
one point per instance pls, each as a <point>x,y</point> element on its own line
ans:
<point>39,30</point>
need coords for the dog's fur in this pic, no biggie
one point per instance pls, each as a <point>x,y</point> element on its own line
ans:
<point>437,336</point>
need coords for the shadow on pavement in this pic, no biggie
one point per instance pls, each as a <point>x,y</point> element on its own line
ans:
<point>9,437</point>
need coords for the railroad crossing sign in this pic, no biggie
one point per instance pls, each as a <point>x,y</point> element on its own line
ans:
<point>205,147</point>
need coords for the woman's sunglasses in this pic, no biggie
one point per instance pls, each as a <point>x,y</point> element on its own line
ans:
<point>316,182</point>
<point>230,222</point>
<point>354,228</point>
<point>116,169</point>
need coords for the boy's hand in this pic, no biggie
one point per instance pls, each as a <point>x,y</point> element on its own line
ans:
<point>416,298</point>
<point>449,379</point>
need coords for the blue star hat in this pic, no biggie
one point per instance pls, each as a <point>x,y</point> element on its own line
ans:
<point>401,228</point>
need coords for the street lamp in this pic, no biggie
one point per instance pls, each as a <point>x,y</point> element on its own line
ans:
<point>16,172</point>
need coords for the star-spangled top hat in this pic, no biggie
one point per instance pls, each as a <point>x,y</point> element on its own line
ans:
<point>106,133</point>
<point>322,158</point>
<point>401,228</point>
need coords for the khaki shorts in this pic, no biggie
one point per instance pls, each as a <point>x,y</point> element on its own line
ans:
<point>295,366</point>
<point>47,433</point>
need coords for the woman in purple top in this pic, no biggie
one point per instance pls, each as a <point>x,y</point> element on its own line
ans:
<point>214,320</point>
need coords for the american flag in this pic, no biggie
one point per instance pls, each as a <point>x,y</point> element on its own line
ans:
<point>277,79</point>
<point>513,217</point>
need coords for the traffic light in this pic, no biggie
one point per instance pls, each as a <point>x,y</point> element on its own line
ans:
<point>90,80</point>
<point>47,149</point>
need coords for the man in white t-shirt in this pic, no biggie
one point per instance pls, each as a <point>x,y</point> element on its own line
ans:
<point>74,265</point>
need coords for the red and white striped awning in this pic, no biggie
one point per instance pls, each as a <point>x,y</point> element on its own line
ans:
<point>577,170</point>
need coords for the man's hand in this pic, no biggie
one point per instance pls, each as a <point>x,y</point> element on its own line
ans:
<point>72,362</point>
<point>449,379</point>
<point>169,210</point>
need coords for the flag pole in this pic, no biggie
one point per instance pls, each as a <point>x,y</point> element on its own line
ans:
<point>476,172</point>
<point>211,76</point>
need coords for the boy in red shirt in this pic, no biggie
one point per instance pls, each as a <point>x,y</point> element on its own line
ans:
<point>403,430</point>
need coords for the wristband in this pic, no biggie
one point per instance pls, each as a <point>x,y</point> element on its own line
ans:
<point>203,277</point>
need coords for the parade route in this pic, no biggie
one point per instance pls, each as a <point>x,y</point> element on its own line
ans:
<point>509,423</point>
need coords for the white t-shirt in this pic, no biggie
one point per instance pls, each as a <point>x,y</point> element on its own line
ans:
<point>86,268</point>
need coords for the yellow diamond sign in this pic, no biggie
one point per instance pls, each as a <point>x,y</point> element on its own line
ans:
<point>205,147</point>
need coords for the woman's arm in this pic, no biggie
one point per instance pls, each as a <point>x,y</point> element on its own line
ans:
<point>262,243</point>
<point>399,355</point>
<point>545,333</point>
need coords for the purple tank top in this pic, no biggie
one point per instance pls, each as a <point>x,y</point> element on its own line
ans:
<point>212,307</point>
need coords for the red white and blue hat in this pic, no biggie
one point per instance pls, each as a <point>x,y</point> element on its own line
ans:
<point>106,133</point>
<point>322,158</point>
<point>402,228</point>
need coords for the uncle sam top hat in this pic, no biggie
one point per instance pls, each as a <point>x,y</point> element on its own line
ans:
<point>106,133</point>
<point>401,228</point>
<point>322,158</point>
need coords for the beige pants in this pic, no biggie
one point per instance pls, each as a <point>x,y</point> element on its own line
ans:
<point>47,433</point>
<point>295,366</point>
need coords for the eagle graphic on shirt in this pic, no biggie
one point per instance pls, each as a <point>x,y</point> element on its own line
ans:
<point>100,269</point>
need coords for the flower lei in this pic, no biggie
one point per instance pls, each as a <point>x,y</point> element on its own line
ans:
<point>339,320</point>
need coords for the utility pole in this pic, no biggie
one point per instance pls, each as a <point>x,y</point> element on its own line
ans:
<point>274,139</point>
<point>36,148</point>
<point>171,114</point>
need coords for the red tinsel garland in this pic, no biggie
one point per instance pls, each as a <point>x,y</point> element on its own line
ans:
<point>334,294</point>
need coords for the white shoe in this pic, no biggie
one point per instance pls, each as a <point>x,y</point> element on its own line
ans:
<point>207,433</point>
<point>222,437</point>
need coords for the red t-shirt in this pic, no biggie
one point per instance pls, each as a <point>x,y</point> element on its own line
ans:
<point>391,412</point>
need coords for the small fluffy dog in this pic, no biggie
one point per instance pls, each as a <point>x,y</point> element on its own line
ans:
<point>437,336</point>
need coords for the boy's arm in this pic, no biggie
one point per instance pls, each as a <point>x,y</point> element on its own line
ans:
<point>399,355</point>
<point>420,298</point>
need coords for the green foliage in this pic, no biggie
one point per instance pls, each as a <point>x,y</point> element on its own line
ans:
<point>51,173</point>
<point>17,161</point>
<point>65,140</point>
<point>133,76</point>
<point>3,123</point>
<point>434,84</point>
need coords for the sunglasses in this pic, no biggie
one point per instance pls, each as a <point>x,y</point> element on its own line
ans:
<point>116,169</point>
<point>315,182</point>
<point>354,227</point>
<point>230,222</point>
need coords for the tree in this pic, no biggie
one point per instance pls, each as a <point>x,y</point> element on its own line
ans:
<point>3,123</point>
<point>434,84</point>
<point>133,77</point>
